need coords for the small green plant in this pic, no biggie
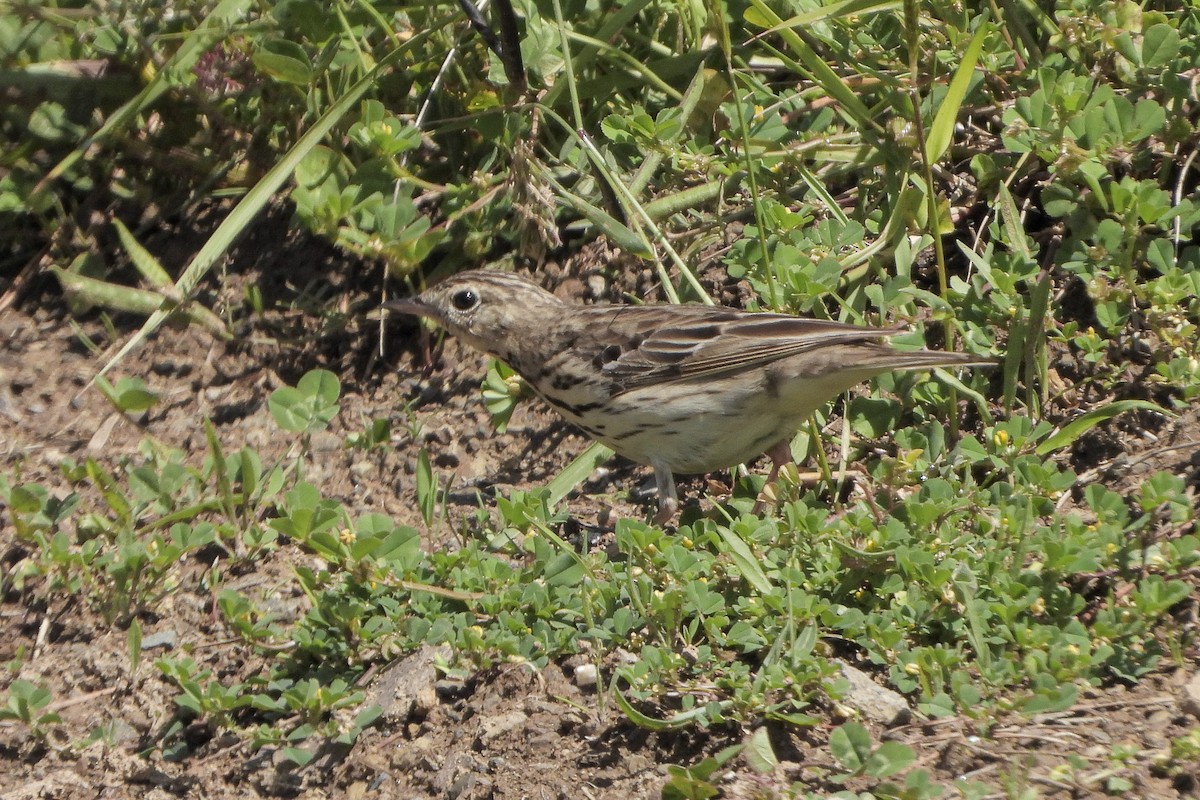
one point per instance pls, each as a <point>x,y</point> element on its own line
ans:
<point>1182,757</point>
<point>697,782</point>
<point>308,406</point>
<point>248,621</point>
<point>129,395</point>
<point>202,697</point>
<point>503,389</point>
<point>428,488</point>
<point>376,434</point>
<point>853,749</point>
<point>34,511</point>
<point>26,703</point>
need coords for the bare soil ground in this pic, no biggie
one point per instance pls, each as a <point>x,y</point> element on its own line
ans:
<point>508,732</point>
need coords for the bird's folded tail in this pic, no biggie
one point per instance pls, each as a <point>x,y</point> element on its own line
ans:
<point>884,359</point>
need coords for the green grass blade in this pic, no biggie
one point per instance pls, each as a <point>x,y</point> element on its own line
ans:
<point>617,232</point>
<point>676,722</point>
<point>686,200</point>
<point>110,295</point>
<point>577,471</point>
<point>146,264</point>
<point>746,561</point>
<point>846,8</point>
<point>614,22</point>
<point>1036,357</point>
<point>1068,433</point>
<point>133,300</point>
<point>941,132</point>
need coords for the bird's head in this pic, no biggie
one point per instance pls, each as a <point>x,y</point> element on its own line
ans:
<point>491,311</point>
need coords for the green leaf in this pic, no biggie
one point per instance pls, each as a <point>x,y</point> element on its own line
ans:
<point>110,295</point>
<point>132,395</point>
<point>822,73</point>
<point>941,131</point>
<point>1010,218</point>
<point>836,10</point>
<point>1124,44</point>
<point>889,758</point>
<point>129,298</point>
<point>1160,45</point>
<point>309,406</point>
<point>25,499</point>
<point>502,390</point>
<point>129,395</point>
<point>577,471</point>
<point>284,61</point>
<point>851,746</point>
<point>1069,433</point>
<point>298,755</point>
<point>134,641</point>
<point>1060,699</point>
<point>426,487</point>
<point>284,405</point>
<point>759,753</point>
<point>563,570</point>
<point>874,417</point>
<point>637,717</point>
<point>320,384</point>
<point>745,560</point>
<point>321,164</point>
<point>620,234</point>
<point>676,722</point>
<point>142,260</point>
<point>687,784</point>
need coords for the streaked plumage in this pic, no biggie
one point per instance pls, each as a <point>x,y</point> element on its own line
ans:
<point>684,388</point>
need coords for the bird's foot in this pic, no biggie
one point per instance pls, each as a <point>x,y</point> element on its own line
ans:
<point>667,507</point>
<point>780,455</point>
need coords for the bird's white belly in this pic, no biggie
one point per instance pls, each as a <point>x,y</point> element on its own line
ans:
<point>699,427</point>
<point>707,442</point>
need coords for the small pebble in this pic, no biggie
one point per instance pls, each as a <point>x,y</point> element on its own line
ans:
<point>585,676</point>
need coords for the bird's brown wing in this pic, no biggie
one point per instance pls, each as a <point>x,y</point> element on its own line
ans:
<point>659,344</point>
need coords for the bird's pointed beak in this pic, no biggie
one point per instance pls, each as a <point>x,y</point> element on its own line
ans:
<point>410,305</point>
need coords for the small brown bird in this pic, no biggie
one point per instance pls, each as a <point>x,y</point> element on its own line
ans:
<point>684,388</point>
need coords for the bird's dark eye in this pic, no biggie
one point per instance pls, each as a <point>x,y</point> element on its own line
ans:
<point>464,299</point>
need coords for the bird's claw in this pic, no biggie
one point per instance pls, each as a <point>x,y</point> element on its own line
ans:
<point>666,511</point>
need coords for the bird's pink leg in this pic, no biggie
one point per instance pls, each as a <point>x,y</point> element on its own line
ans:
<point>780,454</point>
<point>668,498</point>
